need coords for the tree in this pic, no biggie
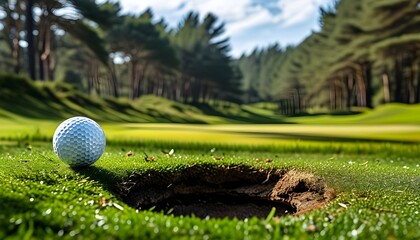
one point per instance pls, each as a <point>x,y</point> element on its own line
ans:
<point>206,71</point>
<point>138,40</point>
<point>12,28</point>
<point>29,22</point>
<point>72,22</point>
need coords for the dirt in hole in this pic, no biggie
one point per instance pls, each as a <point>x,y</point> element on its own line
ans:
<point>225,191</point>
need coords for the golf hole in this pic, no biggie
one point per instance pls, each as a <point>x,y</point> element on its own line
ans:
<point>225,191</point>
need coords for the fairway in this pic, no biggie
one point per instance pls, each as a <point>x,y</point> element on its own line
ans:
<point>256,134</point>
<point>252,134</point>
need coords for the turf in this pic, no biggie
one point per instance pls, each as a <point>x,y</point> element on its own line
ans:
<point>41,197</point>
<point>257,134</point>
<point>371,160</point>
<point>23,98</point>
<point>395,113</point>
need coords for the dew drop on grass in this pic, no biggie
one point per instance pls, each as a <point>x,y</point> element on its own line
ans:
<point>100,223</point>
<point>47,212</point>
<point>73,233</point>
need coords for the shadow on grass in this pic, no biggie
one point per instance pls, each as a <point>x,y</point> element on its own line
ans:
<point>106,178</point>
<point>337,113</point>
<point>322,138</point>
<point>231,113</point>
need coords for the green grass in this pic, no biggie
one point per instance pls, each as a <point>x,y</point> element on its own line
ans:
<point>255,134</point>
<point>43,198</point>
<point>371,159</point>
<point>394,113</point>
<point>22,98</point>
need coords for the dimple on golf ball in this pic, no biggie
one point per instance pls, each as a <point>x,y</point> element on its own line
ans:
<point>79,141</point>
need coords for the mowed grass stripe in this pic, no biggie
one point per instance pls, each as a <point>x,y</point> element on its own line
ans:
<point>239,133</point>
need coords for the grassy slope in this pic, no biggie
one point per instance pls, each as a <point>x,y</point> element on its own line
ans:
<point>20,97</point>
<point>394,113</point>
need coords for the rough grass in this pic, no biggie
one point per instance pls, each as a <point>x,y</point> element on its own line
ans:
<point>42,198</point>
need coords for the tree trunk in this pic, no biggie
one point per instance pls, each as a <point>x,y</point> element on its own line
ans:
<point>186,89</point>
<point>132,79</point>
<point>45,40</point>
<point>96,74</point>
<point>89,78</point>
<point>349,83</point>
<point>385,80</point>
<point>16,54</point>
<point>195,91</point>
<point>40,46</point>
<point>114,82</point>
<point>16,39</point>
<point>367,69</point>
<point>361,86</point>
<point>30,38</point>
<point>46,51</point>
<point>332,95</point>
<point>410,80</point>
<point>298,99</point>
<point>398,79</point>
<point>418,82</point>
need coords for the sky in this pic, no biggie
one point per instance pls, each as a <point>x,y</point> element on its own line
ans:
<point>248,23</point>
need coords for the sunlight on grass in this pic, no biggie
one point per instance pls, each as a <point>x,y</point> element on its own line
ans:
<point>44,198</point>
<point>232,133</point>
<point>394,113</point>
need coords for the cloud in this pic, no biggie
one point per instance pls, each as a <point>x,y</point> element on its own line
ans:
<point>297,11</point>
<point>138,6</point>
<point>259,17</point>
<point>243,18</point>
<point>226,10</point>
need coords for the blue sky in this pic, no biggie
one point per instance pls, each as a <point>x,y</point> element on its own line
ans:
<point>248,23</point>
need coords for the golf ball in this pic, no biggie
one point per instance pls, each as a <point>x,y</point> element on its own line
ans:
<point>79,141</point>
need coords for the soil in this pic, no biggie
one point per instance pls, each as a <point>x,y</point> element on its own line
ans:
<point>225,191</point>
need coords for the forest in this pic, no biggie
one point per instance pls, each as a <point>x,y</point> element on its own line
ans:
<point>366,53</point>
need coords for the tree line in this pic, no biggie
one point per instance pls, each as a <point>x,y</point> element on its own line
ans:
<point>366,53</point>
<point>105,52</point>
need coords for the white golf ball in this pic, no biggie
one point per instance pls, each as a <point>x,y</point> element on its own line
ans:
<point>79,141</point>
